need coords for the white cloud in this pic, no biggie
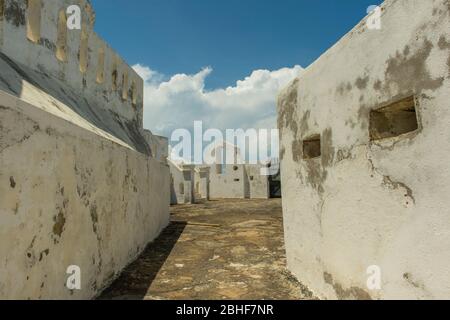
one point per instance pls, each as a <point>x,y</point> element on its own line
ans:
<point>178,101</point>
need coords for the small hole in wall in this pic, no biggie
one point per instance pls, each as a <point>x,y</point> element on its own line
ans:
<point>394,120</point>
<point>2,8</point>
<point>252,178</point>
<point>235,168</point>
<point>312,147</point>
<point>237,180</point>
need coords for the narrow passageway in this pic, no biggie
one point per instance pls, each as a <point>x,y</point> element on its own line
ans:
<point>224,249</point>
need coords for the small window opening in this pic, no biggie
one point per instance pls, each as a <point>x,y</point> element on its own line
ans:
<point>394,120</point>
<point>311,147</point>
<point>237,180</point>
<point>101,65</point>
<point>83,55</point>
<point>61,41</point>
<point>125,86</point>
<point>33,20</point>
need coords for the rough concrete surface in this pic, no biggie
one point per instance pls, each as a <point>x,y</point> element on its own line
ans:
<point>227,249</point>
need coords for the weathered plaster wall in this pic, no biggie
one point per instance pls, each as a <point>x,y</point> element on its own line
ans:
<point>366,203</point>
<point>77,183</point>
<point>71,196</point>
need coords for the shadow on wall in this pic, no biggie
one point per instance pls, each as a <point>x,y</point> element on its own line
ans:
<point>139,276</point>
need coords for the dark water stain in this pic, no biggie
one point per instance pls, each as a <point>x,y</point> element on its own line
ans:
<point>410,72</point>
<point>287,108</point>
<point>361,83</point>
<point>15,12</point>
<point>327,148</point>
<point>60,221</point>
<point>377,85</point>
<point>297,152</point>
<point>443,44</point>
<point>94,218</point>
<point>282,152</point>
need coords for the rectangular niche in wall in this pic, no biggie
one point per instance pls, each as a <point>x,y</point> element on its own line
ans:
<point>33,20</point>
<point>394,120</point>
<point>311,147</point>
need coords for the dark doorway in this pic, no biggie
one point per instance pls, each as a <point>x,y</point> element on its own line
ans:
<point>275,185</point>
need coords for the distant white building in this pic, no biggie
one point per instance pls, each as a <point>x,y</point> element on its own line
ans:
<point>219,181</point>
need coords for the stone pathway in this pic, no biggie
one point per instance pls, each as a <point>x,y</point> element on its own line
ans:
<point>225,249</point>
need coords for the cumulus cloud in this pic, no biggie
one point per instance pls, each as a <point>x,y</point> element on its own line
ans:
<point>176,102</point>
<point>180,100</point>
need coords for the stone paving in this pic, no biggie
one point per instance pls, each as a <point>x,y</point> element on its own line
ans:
<point>223,249</point>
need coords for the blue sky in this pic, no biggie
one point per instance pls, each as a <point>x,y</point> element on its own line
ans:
<point>234,37</point>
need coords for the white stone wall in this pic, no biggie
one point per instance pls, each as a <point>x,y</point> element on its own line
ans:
<point>70,195</point>
<point>77,183</point>
<point>182,179</point>
<point>159,146</point>
<point>364,202</point>
<point>229,183</point>
<point>258,184</point>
